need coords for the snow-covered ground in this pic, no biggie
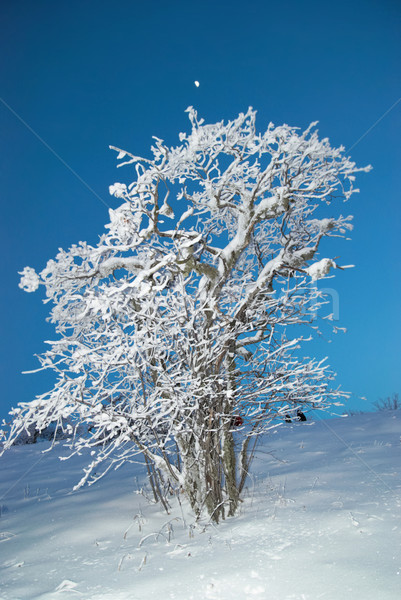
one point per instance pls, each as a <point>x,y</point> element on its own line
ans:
<point>321,518</point>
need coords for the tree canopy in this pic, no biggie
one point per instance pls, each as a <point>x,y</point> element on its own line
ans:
<point>179,333</point>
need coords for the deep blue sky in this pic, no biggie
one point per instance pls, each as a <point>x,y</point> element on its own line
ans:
<point>83,74</point>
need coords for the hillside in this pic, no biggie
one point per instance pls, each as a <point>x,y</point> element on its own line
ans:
<point>321,518</point>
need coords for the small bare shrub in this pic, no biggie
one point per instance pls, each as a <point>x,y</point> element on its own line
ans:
<point>389,403</point>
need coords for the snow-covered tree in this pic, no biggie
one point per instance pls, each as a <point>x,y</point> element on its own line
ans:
<point>179,334</point>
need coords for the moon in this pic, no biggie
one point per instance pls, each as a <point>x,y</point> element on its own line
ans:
<point>197,83</point>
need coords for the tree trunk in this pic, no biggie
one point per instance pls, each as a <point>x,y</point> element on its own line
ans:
<point>229,465</point>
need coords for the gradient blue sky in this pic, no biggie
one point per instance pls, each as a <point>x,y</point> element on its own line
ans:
<point>77,76</point>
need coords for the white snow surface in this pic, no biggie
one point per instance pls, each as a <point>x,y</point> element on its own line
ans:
<point>321,518</point>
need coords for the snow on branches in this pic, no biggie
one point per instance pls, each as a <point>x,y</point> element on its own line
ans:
<point>181,318</point>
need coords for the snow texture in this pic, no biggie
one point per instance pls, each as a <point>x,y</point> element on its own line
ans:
<point>29,280</point>
<point>320,269</point>
<point>321,519</point>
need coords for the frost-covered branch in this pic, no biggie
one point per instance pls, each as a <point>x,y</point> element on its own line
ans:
<point>179,330</point>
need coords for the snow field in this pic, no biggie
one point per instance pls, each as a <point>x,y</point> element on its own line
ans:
<point>320,519</point>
